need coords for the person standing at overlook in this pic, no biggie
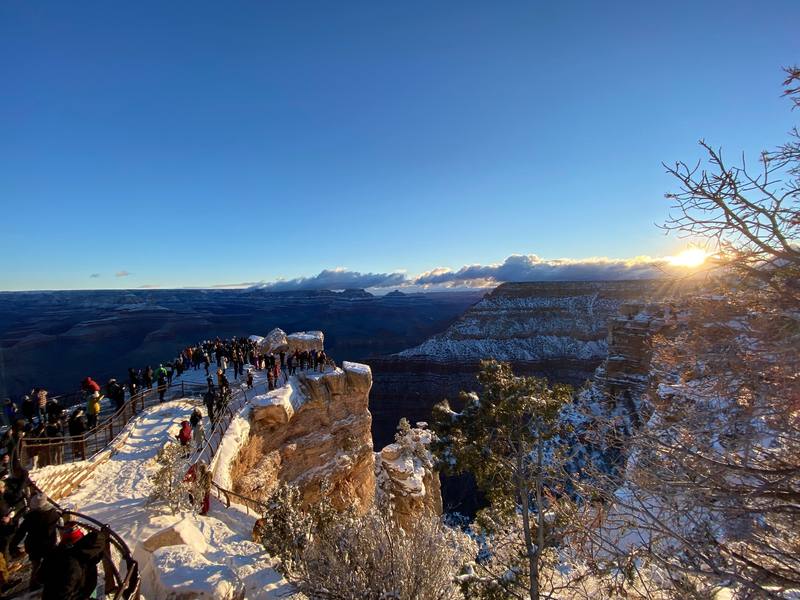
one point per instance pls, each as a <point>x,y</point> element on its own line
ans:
<point>162,383</point>
<point>41,404</point>
<point>28,408</point>
<point>92,408</point>
<point>77,425</point>
<point>38,529</point>
<point>147,377</point>
<point>116,392</point>
<point>91,394</point>
<point>14,440</point>
<point>209,399</point>
<point>133,381</point>
<point>71,568</point>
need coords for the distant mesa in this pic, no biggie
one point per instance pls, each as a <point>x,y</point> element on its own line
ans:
<point>347,293</point>
<point>396,294</point>
<point>355,293</point>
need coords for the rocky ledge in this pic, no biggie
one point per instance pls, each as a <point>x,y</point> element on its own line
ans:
<point>314,433</point>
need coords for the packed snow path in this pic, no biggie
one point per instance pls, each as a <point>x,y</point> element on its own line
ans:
<point>221,559</point>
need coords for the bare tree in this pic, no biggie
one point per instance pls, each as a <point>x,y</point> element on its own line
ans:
<point>344,556</point>
<point>749,216</point>
<point>710,497</point>
<point>712,490</point>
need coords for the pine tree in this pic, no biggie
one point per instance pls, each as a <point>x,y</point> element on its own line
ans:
<point>507,438</point>
<point>169,480</point>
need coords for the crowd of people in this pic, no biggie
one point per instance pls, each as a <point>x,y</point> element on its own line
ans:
<point>55,546</point>
<point>39,428</point>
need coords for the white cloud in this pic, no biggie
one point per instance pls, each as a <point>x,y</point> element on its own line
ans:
<point>529,267</point>
<point>517,267</point>
<point>335,279</point>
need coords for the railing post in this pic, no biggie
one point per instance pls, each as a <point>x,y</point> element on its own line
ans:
<point>183,392</point>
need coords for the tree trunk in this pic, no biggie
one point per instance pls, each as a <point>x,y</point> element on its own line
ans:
<point>522,490</point>
<point>539,514</point>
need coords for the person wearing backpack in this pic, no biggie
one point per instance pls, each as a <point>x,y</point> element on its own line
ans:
<point>116,392</point>
<point>71,566</point>
<point>38,529</point>
<point>185,436</point>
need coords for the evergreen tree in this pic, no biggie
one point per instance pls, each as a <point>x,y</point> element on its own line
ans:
<point>508,439</point>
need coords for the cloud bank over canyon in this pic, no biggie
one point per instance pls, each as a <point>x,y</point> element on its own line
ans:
<point>517,267</point>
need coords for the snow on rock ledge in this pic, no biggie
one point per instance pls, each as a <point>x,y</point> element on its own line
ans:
<point>277,406</point>
<point>182,532</point>
<point>306,340</point>
<point>274,341</point>
<point>316,429</point>
<point>235,438</point>
<point>405,475</point>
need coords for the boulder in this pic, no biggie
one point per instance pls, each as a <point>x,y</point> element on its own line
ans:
<point>182,573</point>
<point>306,340</point>
<point>272,414</point>
<point>274,341</point>
<point>182,532</point>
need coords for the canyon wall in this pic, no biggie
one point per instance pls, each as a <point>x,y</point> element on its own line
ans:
<point>554,329</point>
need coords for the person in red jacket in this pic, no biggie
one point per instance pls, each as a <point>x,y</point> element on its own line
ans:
<point>185,434</point>
<point>201,474</point>
<point>89,385</point>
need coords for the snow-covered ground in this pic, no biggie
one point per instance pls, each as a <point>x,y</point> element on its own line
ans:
<point>219,559</point>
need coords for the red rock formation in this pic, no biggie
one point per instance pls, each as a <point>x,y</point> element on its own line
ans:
<point>312,433</point>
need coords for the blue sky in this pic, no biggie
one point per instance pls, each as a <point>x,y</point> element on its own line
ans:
<point>203,143</point>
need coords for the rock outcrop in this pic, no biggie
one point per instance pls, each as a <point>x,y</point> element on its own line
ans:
<point>314,433</point>
<point>274,341</point>
<point>306,340</point>
<point>615,392</point>
<point>626,368</point>
<point>405,476</point>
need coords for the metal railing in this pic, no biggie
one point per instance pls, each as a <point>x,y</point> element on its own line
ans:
<point>212,444</point>
<point>68,448</point>
<point>120,571</point>
<point>226,413</point>
<point>224,495</point>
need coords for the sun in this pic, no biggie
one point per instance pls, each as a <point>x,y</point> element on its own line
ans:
<point>691,257</point>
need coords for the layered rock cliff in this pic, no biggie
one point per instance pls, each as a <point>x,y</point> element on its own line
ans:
<point>314,433</point>
<point>553,329</point>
